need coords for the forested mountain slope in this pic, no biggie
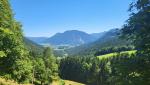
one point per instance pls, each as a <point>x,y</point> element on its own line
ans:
<point>32,46</point>
<point>108,40</point>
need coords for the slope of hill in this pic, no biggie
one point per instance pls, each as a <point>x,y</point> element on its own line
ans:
<point>9,82</point>
<point>106,56</point>
<point>66,82</point>
<point>109,39</point>
<point>32,46</point>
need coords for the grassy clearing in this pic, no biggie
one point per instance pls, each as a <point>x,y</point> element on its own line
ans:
<point>9,82</point>
<point>66,82</point>
<point>106,56</point>
<point>58,82</point>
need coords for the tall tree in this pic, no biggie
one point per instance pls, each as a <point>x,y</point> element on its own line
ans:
<point>137,27</point>
<point>50,64</point>
<point>16,64</point>
<point>138,30</point>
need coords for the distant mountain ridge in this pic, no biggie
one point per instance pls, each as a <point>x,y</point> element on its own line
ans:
<point>98,35</point>
<point>37,40</point>
<point>70,37</point>
<point>108,39</point>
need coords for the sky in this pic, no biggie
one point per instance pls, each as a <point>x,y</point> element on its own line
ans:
<point>44,18</point>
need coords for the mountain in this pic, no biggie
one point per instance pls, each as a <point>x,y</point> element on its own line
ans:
<point>98,35</point>
<point>68,38</point>
<point>108,39</point>
<point>38,40</point>
<point>81,43</point>
<point>71,37</point>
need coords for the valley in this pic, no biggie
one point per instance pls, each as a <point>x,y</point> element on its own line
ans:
<point>70,37</point>
<point>103,56</point>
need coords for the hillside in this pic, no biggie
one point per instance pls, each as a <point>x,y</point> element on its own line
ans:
<point>32,46</point>
<point>66,82</point>
<point>9,82</point>
<point>109,39</point>
<point>111,55</point>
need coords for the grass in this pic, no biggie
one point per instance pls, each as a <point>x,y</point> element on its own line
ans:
<point>9,82</point>
<point>106,56</point>
<point>55,82</point>
<point>66,82</point>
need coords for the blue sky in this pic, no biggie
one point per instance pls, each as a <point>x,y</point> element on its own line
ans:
<point>47,17</point>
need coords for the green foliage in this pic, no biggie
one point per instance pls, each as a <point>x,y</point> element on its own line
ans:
<point>110,70</point>
<point>45,67</point>
<point>19,66</point>
<point>137,27</point>
<point>50,63</point>
<point>40,70</point>
<point>2,54</point>
<point>16,64</point>
<point>33,47</point>
<point>108,50</point>
<point>74,69</point>
<point>137,30</point>
<point>6,17</point>
<point>116,69</point>
<point>62,82</point>
<point>110,55</point>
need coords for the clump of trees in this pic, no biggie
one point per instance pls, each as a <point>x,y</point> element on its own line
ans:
<point>45,68</point>
<point>122,69</point>
<point>16,62</point>
<point>95,71</point>
<point>137,29</point>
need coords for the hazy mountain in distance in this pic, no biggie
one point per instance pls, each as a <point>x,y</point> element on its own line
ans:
<point>98,35</point>
<point>71,37</point>
<point>38,40</point>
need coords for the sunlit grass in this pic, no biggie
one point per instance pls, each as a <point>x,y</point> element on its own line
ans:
<point>10,82</point>
<point>66,82</point>
<point>106,56</point>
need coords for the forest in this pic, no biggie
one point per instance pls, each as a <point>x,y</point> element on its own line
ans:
<point>126,63</point>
